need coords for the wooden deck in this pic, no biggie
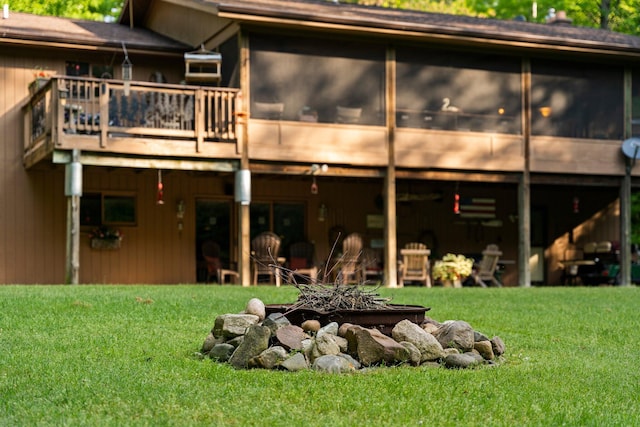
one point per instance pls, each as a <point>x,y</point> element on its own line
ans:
<point>134,119</point>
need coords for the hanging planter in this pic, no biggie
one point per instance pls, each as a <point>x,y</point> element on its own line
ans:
<point>105,238</point>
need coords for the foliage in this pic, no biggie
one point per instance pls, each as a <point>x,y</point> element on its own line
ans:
<point>123,355</point>
<point>95,10</point>
<point>105,233</point>
<point>452,267</point>
<point>617,15</point>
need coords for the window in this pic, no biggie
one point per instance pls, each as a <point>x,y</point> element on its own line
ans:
<point>307,79</point>
<point>458,91</point>
<point>285,219</point>
<point>576,100</point>
<point>107,209</point>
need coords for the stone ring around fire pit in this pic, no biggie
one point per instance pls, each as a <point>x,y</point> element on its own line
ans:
<point>265,337</point>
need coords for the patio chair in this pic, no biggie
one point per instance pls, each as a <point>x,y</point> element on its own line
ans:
<point>350,263</point>
<point>265,261</point>
<point>484,272</point>
<point>211,254</point>
<point>371,265</point>
<point>415,266</point>
<point>301,262</point>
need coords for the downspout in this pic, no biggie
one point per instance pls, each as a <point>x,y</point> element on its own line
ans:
<point>73,191</point>
<point>524,186</point>
<point>390,225</point>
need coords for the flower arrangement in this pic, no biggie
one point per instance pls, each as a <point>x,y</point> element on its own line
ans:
<point>105,233</point>
<point>41,73</point>
<point>105,237</point>
<point>452,267</point>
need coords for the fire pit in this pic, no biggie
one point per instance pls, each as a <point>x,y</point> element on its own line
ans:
<point>383,319</point>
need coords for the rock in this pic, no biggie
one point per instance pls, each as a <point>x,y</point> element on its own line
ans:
<point>414,354</point>
<point>256,306</point>
<point>311,325</point>
<point>232,325</point>
<point>296,362</point>
<point>333,364</point>
<point>331,328</point>
<point>235,342</point>
<point>461,361</point>
<point>484,348</point>
<point>291,337</point>
<point>427,344</point>
<point>256,340</point>
<point>430,327</point>
<point>498,346</point>
<point>477,337</point>
<point>457,334</point>
<point>221,352</point>
<point>342,343</point>
<point>275,321</point>
<point>374,347</point>
<point>270,358</point>
<point>208,344</point>
<point>323,345</point>
<point>342,330</point>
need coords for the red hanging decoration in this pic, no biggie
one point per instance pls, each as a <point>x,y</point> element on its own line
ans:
<point>576,205</point>
<point>314,186</point>
<point>160,195</point>
<point>456,204</point>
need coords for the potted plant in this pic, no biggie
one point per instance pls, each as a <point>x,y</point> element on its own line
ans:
<point>105,237</point>
<point>451,269</point>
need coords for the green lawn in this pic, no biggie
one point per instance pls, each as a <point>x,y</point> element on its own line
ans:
<point>124,355</point>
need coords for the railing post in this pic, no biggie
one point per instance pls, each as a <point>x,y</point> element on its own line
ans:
<point>104,113</point>
<point>199,119</point>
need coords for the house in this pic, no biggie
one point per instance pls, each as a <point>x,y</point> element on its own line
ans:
<point>196,120</point>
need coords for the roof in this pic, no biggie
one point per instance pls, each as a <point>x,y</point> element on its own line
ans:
<point>27,28</point>
<point>432,23</point>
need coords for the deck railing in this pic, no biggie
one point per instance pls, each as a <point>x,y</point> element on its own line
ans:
<point>68,105</point>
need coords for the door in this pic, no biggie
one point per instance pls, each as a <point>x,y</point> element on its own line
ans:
<point>213,222</point>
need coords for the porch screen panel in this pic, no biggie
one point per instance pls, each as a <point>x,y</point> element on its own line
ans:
<point>308,79</point>
<point>635,103</point>
<point>576,100</point>
<point>454,90</point>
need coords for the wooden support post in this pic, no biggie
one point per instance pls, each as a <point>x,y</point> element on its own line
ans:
<point>390,225</point>
<point>244,243</point>
<point>73,191</point>
<point>524,187</point>
<point>625,189</point>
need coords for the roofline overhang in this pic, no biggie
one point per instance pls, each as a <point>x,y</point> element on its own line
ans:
<point>429,33</point>
<point>107,47</point>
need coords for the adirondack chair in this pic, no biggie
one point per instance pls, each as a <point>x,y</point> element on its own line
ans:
<point>350,263</point>
<point>484,271</point>
<point>415,266</point>
<point>265,261</point>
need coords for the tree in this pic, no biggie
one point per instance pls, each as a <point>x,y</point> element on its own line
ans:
<point>616,15</point>
<point>95,10</point>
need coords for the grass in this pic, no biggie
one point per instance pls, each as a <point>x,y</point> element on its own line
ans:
<point>124,355</point>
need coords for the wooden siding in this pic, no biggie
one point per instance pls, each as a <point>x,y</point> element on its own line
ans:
<point>582,156</point>
<point>417,148</point>
<point>303,142</point>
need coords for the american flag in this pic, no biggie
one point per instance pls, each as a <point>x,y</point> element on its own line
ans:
<point>477,207</point>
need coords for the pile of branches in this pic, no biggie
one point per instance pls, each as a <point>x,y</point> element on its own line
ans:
<point>338,297</point>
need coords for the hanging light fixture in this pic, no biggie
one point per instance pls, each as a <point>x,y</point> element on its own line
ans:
<point>322,212</point>
<point>456,201</point>
<point>160,194</point>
